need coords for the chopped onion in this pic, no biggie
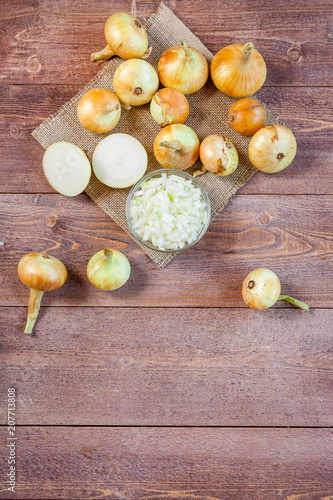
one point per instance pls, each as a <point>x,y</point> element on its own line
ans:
<point>67,168</point>
<point>168,211</point>
<point>119,160</point>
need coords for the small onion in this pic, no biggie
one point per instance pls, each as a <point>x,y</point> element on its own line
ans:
<point>247,116</point>
<point>42,273</point>
<point>218,155</point>
<point>126,38</point>
<point>169,106</point>
<point>183,68</point>
<point>135,82</point>
<point>238,70</point>
<point>119,160</point>
<point>176,146</point>
<point>99,111</point>
<point>108,269</point>
<point>272,148</point>
<point>261,289</point>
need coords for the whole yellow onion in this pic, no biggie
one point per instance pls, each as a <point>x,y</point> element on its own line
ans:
<point>108,269</point>
<point>183,68</point>
<point>238,70</point>
<point>247,116</point>
<point>218,155</point>
<point>261,289</point>
<point>135,82</point>
<point>125,37</point>
<point>99,111</point>
<point>176,146</point>
<point>272,148</point>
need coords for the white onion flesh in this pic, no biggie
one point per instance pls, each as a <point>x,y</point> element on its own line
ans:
<point>168,211</point>
<point>67,168</point>
<point>119,160</point>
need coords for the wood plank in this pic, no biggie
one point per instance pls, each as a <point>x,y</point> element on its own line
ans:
<point>290,235</point>
<point>222,367</point>
<point>201,464</point>
<point>39,46</point>
<point>307,111</point>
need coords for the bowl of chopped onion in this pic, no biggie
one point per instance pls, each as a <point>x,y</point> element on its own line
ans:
<point>168,210</point>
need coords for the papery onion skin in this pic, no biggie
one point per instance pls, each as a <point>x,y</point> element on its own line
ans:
<point>272,148</point>
<point>42,273</point>
<point>135,82</point>
<point>238,70</point>
<point>169,106</point>
<point>176,146</point>
<point>108,269</point>
<point>261,289</point>
<point>218,155</point>
<point>125,37</point>
<point>247,116</point>
<point>99,111</point>
<point>183,68</point>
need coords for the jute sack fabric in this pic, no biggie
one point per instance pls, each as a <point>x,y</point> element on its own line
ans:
<point>208,115</point>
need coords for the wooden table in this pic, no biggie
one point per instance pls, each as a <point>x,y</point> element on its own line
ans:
<point>170,387</point>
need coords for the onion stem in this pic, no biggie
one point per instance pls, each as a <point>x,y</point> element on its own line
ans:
<point>33,310</point>
<point>102,55</point>
<point>175,145</point>
<point>187,51</point>
<point>295,302</point>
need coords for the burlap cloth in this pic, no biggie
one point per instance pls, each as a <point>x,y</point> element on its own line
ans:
<point>208,115</point>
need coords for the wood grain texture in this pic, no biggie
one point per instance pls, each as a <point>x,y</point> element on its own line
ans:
<point>307,111</point>
<point>222,367</point>
<point>39,46</point>
<point>290,235</point>
<point>196,464</point>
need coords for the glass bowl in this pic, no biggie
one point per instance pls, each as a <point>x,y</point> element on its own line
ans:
<point>157,173</point>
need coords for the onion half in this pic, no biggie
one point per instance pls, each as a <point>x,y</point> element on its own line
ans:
<point>67,168</point>
<point>119,160</point>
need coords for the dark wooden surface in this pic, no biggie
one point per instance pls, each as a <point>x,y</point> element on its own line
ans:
<point>170,387</point>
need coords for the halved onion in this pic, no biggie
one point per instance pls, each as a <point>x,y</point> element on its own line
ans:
<point>119,160</point>
<point>67,168</point>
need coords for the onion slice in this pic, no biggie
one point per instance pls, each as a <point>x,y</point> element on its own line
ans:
<point>67,168</point>
<point>119,160</point>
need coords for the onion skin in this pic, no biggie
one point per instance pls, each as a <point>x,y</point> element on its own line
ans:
<point>261,289</point>
<point>169,106</point>
<point>272,148</point>
<point>99,111</point>
<point>125,37</point>
<point>108,269</point>
<point>42,273</point>
<point>238,70</point>
<point>176,146</point>
<point>183,68</point>
<point>247,116</point>
<point>218,156</point>
<point>135,82</point>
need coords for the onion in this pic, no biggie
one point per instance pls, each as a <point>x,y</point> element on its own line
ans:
<point>238,70</point>
<point>42,273</point>
<point>169,106</point>
<point>247,116</point>
<point>119,160</point>
<point>99,111</point>
<point>176,146</point>
<point>135,82</point>
<point>67,168</point>
<point>261,289</point>
<point>272,148</point>
<point>183,68</point>
<point>218,155</point>
<point>126,38</point>
<point>108,269</point>
<point>168,211</point>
